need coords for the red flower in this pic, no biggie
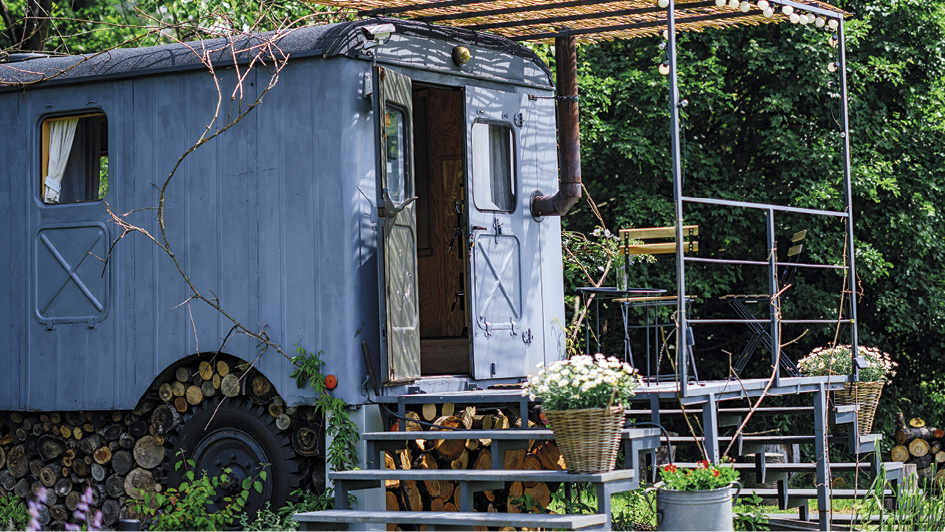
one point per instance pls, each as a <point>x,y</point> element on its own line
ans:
<point>671,468</point>
<point>703,464</point>
<point>716,472</point>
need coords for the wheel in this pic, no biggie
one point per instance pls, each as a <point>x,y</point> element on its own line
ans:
<point>243,437</point>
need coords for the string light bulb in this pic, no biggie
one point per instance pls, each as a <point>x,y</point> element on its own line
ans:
<point>763,4</point>
<point>720,3</point>
<point>833,67</point>
<point>768,12</point>
<point>804,19</point>
<point>834,40</point>
<point>820,22</point>
<point>733,4</point>
<point>744,7</point>
<point>787,10</point>
<point>795,18</point>
<point>664,68</point>
<point>663,3</point>
<point>833,24</point>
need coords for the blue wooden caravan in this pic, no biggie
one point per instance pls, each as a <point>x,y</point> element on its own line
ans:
<point>376,207</point>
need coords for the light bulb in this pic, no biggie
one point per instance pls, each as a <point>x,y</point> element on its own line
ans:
<point>664,68</point>
<point>663,3</point>
<point>832,67</point>
<point>720,3</point>
<point>834,40</point>
<point>768,12</point>
<point>833,24</point>
<point>665,35</point>
<point>820,22</point>
<point>762,4</point>
<point>744,7</point>
<point>795,18</point>
<point>787,10</point>
<point>733,4</point>
<point>804,19</point>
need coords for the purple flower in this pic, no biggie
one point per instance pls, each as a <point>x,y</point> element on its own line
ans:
<point>41,496</point>
<point>70,526</point>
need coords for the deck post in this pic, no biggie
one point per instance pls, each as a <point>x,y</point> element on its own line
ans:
<point>823,460</point>
<point>775,302</point>
<point>848,193</point>
<point>682,325</point>
<point>710,428</point>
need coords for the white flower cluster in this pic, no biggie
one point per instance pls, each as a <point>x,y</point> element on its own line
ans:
<point>837,361</point>
<point>583,381</point>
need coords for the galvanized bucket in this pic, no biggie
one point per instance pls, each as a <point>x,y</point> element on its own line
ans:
<point>695,510</point>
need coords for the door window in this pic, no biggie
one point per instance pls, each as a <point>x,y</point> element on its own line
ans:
<point>397,162</point>
<point>493,167</point>
<point>74,159</point>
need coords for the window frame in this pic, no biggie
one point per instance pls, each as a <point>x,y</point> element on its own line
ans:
<point>45,127</point>
<point>513,170</point>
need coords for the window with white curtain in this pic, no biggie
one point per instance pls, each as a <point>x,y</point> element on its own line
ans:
<point>493,167</point>
<point>74,159</point>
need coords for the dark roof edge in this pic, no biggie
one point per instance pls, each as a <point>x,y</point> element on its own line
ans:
<point>327,40</point>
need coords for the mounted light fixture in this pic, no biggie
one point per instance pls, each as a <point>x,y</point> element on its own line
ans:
<point>833,67</point>
<point>461,55</point>
<point>664,68</point>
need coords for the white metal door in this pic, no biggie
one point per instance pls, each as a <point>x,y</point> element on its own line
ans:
<point>393,105</point>
<point>504,263</point>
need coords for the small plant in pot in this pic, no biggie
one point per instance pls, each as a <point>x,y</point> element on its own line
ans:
<point>583,399</point>
<point>876,368</point>
<point>698,498</point>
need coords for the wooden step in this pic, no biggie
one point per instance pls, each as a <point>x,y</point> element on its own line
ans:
<point>472,481</point>
<point>811,493</point>
<point>502,440</point>
<point>480,475</point>
<point>339,519</point>
<point>751,444</point>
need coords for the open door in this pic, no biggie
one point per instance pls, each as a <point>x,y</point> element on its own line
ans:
<point>401,311</point>
<point>504,257</point>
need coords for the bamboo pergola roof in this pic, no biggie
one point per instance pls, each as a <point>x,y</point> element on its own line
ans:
<point>587,20</point>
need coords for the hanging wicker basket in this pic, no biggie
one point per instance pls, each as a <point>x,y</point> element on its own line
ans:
<point>865,394</point>
<point>588,438</point>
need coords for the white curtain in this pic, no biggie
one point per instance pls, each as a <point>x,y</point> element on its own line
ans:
<point>61,134</point>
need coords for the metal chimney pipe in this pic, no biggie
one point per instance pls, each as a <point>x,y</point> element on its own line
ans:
<point>569,129</point>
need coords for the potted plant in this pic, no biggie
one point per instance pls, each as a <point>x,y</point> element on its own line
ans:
<point>699,498</point>
<point>876,368</point>
<point>583,400</point>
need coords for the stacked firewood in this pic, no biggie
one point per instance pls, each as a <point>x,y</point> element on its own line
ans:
<point>121,455</point>
<point>439,496</point>
<point>919,445</point>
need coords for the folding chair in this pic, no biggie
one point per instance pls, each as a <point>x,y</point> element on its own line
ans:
<point>656,241</point>
<point>760,333</point>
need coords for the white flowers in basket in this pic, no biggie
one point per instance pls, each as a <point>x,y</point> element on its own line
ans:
<point>583,381</point>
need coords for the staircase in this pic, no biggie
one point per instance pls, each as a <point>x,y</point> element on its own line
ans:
<point>635,441</point>
<point>640,443</point>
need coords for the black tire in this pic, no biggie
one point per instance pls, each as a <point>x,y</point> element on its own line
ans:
<point>243,437</point>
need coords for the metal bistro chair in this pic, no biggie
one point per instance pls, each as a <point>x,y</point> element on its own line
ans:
<point>760,332</point>
<point>655,241</point>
